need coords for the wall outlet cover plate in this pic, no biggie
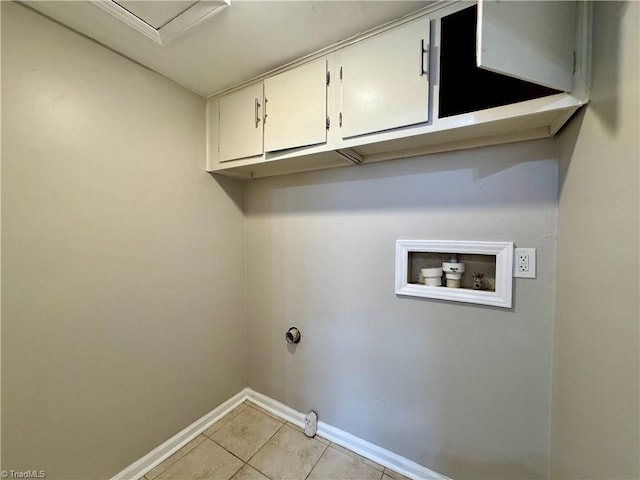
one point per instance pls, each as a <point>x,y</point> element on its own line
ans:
<point>524,263</point>
<point>310,424</point>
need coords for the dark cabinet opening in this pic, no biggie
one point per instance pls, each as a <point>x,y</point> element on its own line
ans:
<point>463,86</point>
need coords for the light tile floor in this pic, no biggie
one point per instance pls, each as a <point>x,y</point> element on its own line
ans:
<point>251,444</point>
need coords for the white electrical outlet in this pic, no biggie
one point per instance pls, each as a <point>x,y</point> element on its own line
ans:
<point>524,264</point>
<point>310,424</point>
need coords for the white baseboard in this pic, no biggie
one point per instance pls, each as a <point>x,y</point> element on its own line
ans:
<point>156,456</point>
<point>378,454</point>
<point>373,452</point>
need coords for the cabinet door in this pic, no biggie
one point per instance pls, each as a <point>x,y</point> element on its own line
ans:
<point>241,129</point>
<point>296,107</point>
<point>385,80</point>
<point>532,41</point>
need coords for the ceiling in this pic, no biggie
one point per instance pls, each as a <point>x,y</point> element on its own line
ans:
<point>244,40</point>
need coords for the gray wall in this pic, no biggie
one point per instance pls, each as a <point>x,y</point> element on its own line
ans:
<point>122,277</point>
<point>596,421</point>
<point>461,389</point>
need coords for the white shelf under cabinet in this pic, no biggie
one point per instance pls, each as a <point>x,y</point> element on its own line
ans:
<point>500,254</point>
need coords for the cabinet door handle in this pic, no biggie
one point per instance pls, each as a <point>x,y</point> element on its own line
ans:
<point>264,110</point>
<point>257,106</point>
<point>422,52</point>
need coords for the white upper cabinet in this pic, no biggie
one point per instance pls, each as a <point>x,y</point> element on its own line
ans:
<point>532,41</point>
<point>240,123</point>
<point>455,75</point>
<point>295,113</point>
<point>385,80</point>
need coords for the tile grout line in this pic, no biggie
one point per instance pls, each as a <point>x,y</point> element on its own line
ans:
<point>227,450</point>
<point>317,461</point>
<point>221,446</point>
<point>251,457</point>
<point>236,472</point>
<point>176,461</point>
<point>216,443</point>
<point>263,445</point>
<point>223,418</point>
<point>260,472</point>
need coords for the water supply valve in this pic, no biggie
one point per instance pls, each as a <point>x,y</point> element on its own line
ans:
<point>293,335</point>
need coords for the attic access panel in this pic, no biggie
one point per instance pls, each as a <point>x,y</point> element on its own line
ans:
<point>156,14</point>
<point>162,21</point>
<point>466,88</point>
